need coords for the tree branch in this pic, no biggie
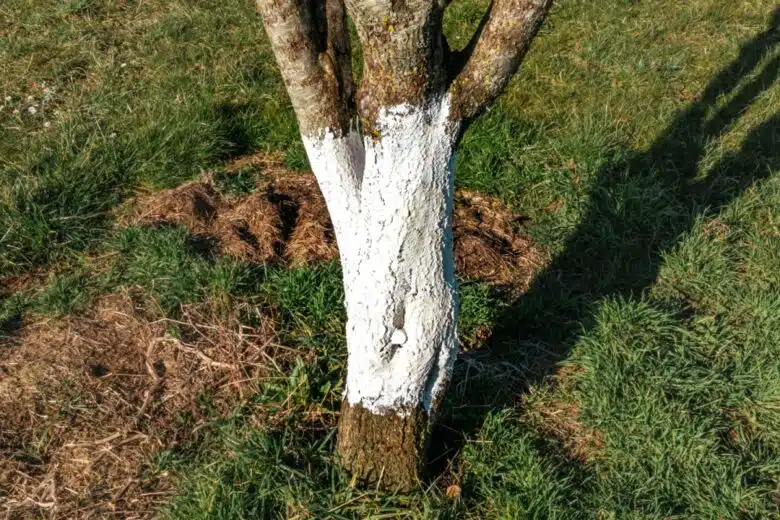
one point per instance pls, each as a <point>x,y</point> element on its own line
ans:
<point>310,40</point>
<point>458,59</point>
<point>403,53</point>
<point>486,65</point>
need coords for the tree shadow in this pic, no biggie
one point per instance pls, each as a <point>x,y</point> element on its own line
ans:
<point>639,206</point>
<point>232,129</point>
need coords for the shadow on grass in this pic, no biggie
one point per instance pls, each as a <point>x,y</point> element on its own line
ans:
<point>10,324</point>
<point>233,129</point>
<point>639,207</point>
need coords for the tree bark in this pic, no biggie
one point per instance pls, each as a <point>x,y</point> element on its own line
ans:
<point>399,280</point>
<point>385,449</point>
<point>401,295</point>
<point>401,301</point>
<point>383,160</point>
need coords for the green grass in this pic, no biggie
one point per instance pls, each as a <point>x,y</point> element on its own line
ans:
<point>642,140</point>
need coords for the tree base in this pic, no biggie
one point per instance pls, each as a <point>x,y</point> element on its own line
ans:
<point>387,451</point>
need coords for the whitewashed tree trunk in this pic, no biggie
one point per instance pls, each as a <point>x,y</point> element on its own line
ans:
<point>391,203</point>
<point>383,160</point>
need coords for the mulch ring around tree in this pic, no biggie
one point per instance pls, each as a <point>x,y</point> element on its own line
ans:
<point>86,401</point>
<point>285,219</point>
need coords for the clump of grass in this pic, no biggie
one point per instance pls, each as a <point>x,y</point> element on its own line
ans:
<point>241,182</point>
<point>479,309</point>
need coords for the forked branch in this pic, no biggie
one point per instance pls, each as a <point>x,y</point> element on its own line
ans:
<point>310,40</point>
<point>494,54</point>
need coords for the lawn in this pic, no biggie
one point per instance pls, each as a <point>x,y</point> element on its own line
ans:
<point>631,372</point>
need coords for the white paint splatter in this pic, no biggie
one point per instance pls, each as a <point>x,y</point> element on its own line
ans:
<point>398,337</point>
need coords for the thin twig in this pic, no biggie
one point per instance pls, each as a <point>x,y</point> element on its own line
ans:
<point>201,355</point>
<point>93,443</point>
<point>353,499</point>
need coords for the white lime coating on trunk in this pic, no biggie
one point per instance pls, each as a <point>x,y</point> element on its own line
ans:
<point>398,337</point>
<point>391,204</point>
<point>337,162</point>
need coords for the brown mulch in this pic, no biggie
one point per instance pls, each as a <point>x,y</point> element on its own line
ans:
<point>490,243</point>
<point>287,219</point>
<point>85,402</point>
<point>250,228</point>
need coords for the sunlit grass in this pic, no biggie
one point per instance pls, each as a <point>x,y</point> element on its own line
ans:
<point>648,174</point>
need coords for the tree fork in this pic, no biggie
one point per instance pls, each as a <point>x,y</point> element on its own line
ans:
<point>383,160</point>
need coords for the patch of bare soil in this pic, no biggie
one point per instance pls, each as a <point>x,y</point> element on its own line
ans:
<point>286,219</point>
<point>10,285</point>
<point>87,400</point>
<point>562,420</point>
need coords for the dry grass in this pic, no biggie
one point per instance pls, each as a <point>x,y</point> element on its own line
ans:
<point>490,243</point>
<point>561,418</point>
<point>10,285</point>
<point>91,398</point>
<point>193,204</point>
<point>311,238</point>
<point>249,228</point>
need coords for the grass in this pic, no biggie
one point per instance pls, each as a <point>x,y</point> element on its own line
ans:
<point>637,378</point>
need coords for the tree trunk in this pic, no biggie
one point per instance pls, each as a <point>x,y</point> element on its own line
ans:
<point>401,293</point>
<point>388,449</point>
<point>389,189</point>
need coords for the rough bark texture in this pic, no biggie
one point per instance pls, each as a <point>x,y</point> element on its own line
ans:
<point>403,54</point>
<point>400,287</point>
<point>384,449</point>
<point>310,40</point>
<point>389,188</point>
<point>401,292</point>
<point>494,54</point>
